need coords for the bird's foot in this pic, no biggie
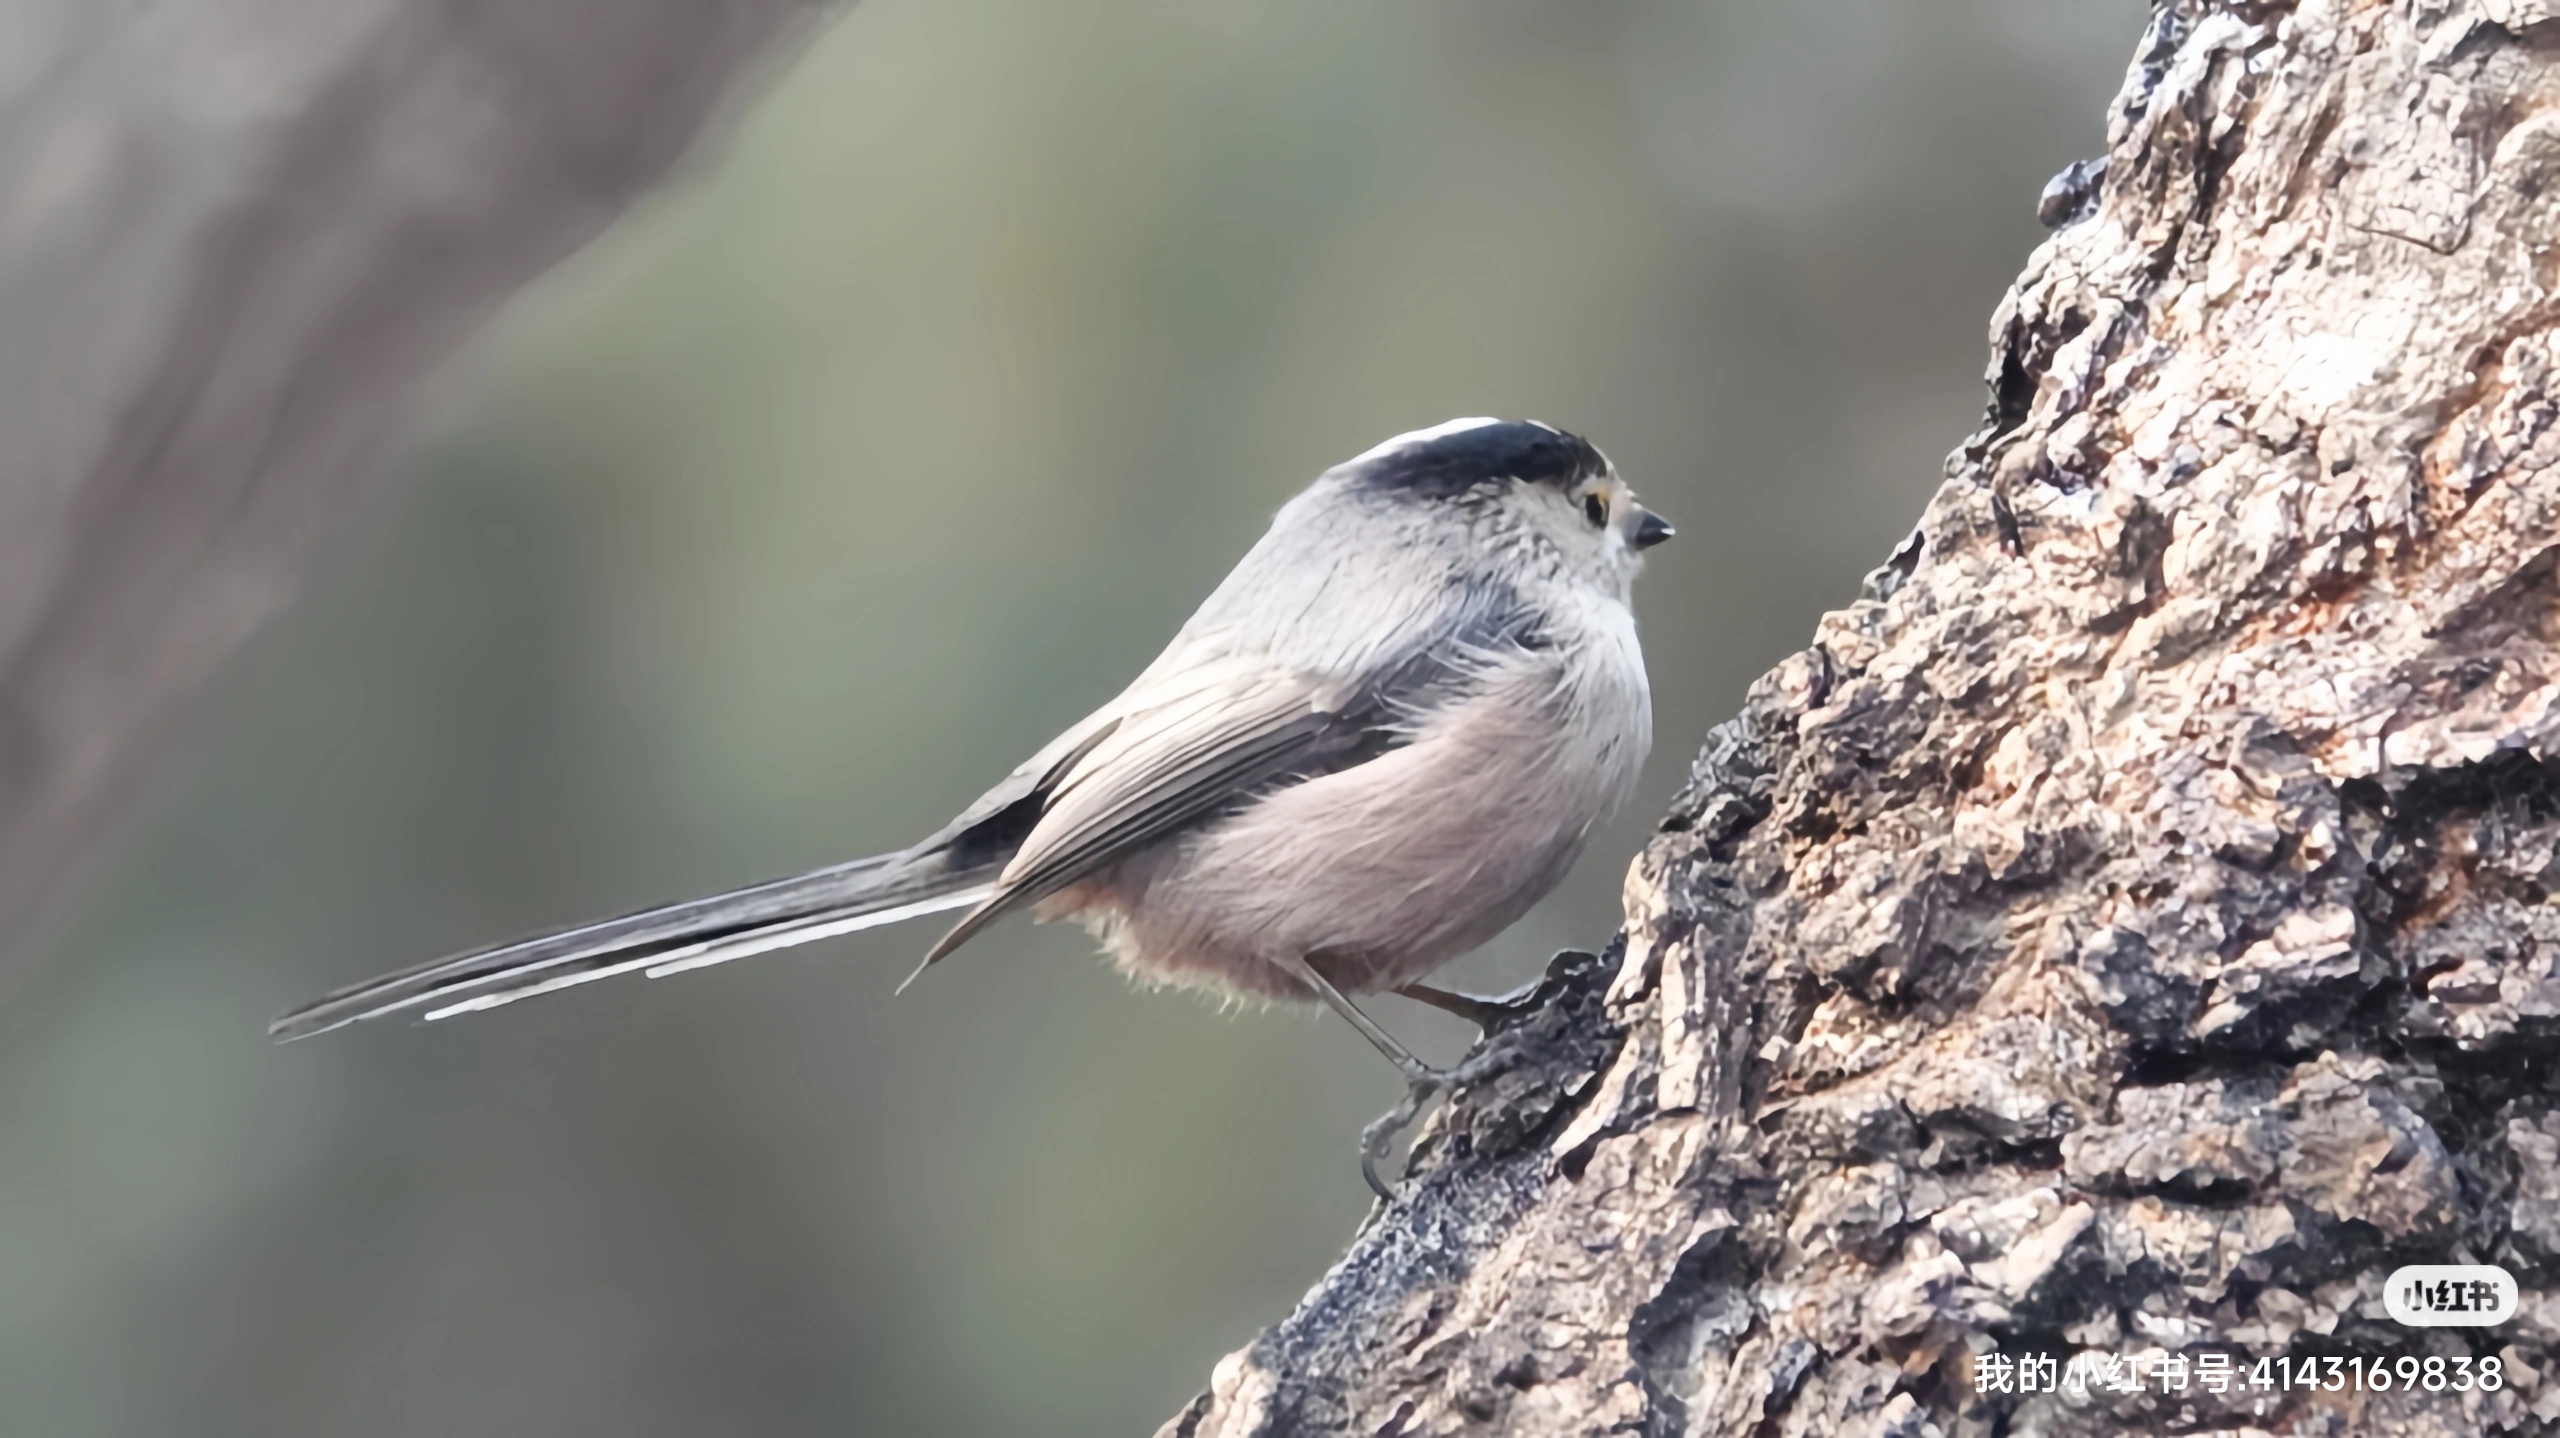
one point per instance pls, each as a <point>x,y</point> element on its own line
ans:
<point>1422,1084</point>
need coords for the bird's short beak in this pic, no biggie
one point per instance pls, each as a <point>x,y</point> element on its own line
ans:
<point>1651,529</point>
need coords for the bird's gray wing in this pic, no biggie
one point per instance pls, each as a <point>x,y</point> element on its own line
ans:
<point>1174,759</point>
<point>1195,739</point>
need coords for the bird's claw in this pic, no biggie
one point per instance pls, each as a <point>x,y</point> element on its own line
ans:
<point>1381,1133</point>
<point>1421,1085</point>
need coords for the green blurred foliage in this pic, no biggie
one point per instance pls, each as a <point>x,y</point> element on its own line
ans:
<point>820,492</point>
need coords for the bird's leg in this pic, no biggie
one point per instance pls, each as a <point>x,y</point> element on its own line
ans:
<point>1421,1080</point>
<point>1486,1011</point>
<point>1414,1069</point>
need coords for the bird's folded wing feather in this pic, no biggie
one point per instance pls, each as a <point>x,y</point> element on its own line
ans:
<point>1171,765</point>
<point>1178,755</point>
<point>1201,731</point>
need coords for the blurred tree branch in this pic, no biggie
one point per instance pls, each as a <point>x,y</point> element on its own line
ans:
<point>235,237</point>
<point>2132,929</point>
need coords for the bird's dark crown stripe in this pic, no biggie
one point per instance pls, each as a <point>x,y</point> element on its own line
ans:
<point>1447,464</point>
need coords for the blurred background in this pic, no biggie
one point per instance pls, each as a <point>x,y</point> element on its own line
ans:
<point>833,481</point>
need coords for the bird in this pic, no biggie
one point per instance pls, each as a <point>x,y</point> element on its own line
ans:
<point>1387,734</point>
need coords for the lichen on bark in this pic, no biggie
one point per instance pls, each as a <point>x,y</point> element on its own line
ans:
<point>2132,927</point>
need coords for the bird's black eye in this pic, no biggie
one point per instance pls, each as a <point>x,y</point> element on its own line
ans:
<point>1595,509</point>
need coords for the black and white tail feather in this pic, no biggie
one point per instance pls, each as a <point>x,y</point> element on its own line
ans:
<point>956,868</point>
<point>691,935</point>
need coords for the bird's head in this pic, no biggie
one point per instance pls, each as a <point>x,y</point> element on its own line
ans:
<point>1514,480</point>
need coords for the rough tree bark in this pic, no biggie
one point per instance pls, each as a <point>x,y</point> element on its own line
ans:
<point>235,235</point>
<point>2133,927</point>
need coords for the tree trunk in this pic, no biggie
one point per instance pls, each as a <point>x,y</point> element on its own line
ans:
<point>235,235</point>
<point>2132,929</point>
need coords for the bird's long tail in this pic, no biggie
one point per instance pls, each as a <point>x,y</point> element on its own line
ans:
<point>676,937</point>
